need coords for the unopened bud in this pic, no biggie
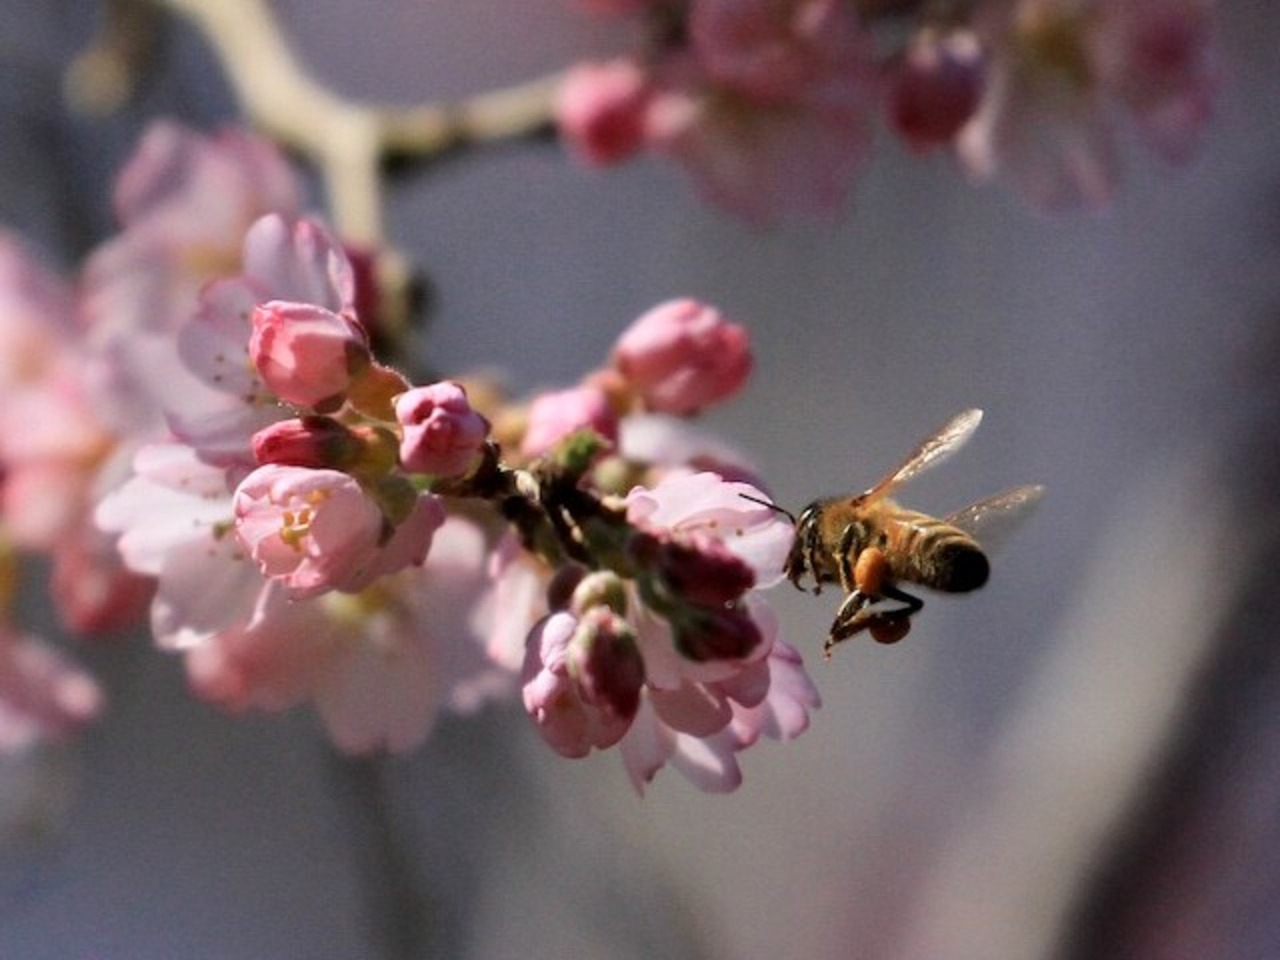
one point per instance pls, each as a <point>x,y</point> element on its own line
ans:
<point>606,663</point>
<point>600,589</point>
<point>443,436</point>
<point>312,441</point>
<point>683,356</point>
<point>936,87</point>
<point>305,354</point>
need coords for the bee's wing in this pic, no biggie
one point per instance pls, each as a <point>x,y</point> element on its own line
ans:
<point>992,519</point>
<point>931,451</point>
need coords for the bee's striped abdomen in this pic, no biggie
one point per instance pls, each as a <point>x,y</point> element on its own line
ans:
<point>935,554</point>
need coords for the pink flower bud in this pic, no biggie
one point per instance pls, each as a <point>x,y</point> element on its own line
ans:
<point>607,665</point>
<point>305,354</point>
<point>554,416</point>
<point>582,680</point>
<point>312,441</point>
<point>317,530</point>
<point>935,88</point>
<point>682,356</point>
<point>443,436</point>
<point>600,110</point>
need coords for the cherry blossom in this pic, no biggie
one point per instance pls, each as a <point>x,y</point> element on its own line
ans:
<point>307,355</point>
<point>767,105</point>
<point>1059,68</point>
<point>582,680</point>
<point>318,530</point>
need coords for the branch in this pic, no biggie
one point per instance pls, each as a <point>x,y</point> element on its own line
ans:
<point>348,140</point>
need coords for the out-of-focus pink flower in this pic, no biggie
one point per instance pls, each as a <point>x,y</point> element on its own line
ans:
<point>555,415</point>
<point>774,51</point>
<point>378,665</point>
<point>42,695</point>
<point>443,436</point>
<point>600,110</point>
<point>582,679</point>
<point>682,356</point>
<point>1158,59</point>
<point>769,109</point>
<point>307,355</point>
<point>765,164</point>
<point>935,87</point>
<point>317,530</point>
<point>1046,122</point>
<point>185,200</point>
<point>210,186</point>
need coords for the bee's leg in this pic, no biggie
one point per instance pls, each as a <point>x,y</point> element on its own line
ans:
<point>910,604</point>
<point>850,619</point>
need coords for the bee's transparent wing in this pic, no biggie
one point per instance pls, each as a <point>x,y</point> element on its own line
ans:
<point>992,519</point>
<point>931,451</point>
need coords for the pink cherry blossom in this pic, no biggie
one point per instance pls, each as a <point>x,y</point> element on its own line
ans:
<point>582,679</point>
<point>774,51</point>
<point>700,727</point>
<point>443,436</point>
<point>307,355</point>
<point>1059,67</point>
<point>42,695</point>
<point>1158,58</point>
<point>699,705</point>
<point>682,356</point>
<point>555,415</point>
<point>317,530</point>
<point>767,163</point>
<point>706,504</point>
<point>600,110</point>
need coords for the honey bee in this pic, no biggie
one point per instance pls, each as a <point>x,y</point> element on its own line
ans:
<point>869,544</point>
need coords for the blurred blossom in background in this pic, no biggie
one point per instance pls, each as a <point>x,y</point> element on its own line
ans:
<point>1081,760</point>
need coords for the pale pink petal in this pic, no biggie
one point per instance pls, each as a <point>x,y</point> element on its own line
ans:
<point>709,763</point>
<point>299,261</point>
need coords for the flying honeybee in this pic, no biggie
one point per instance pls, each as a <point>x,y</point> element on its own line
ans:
<point>869,544</point>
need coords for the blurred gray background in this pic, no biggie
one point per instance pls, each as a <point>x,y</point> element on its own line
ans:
<point>1077,761</point>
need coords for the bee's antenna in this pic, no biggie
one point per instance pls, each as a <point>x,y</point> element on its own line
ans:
<point>771,505</point>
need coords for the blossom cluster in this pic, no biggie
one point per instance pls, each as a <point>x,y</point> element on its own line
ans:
<point>770,105</point>
<point>305,524</point>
